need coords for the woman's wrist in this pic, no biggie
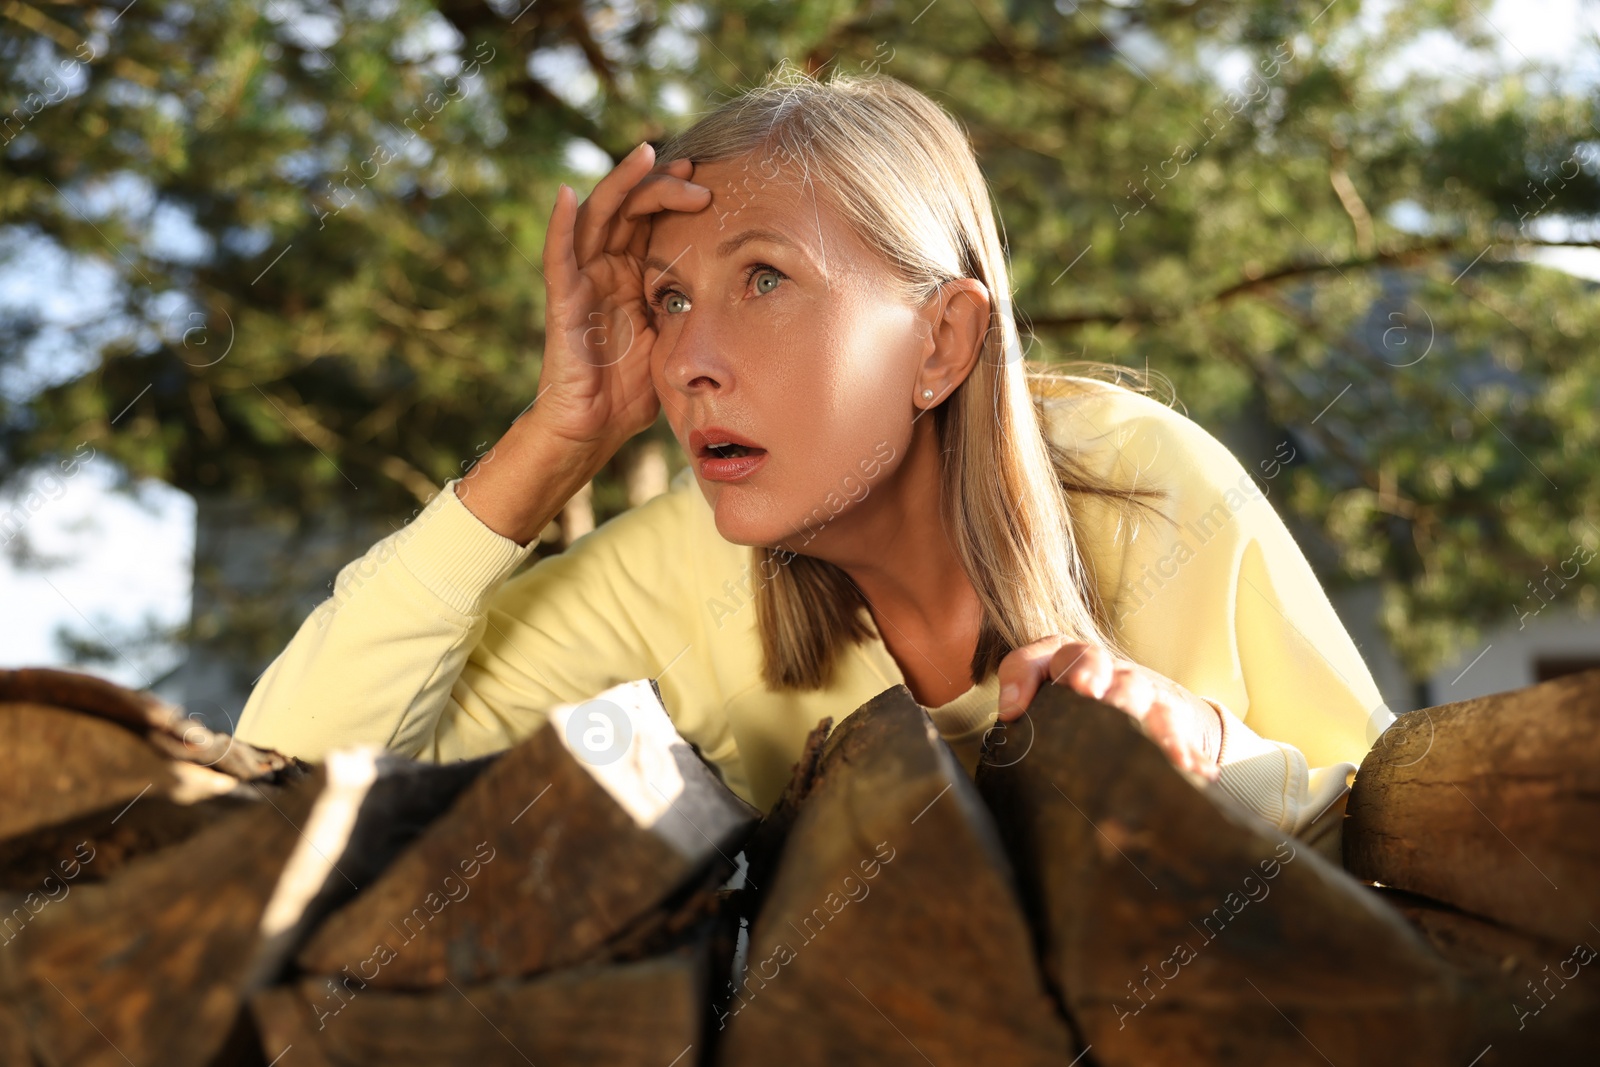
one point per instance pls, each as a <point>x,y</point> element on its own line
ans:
<point>521,484</point>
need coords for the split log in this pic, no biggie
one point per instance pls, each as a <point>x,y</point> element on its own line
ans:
<point>575,836</point>
<point>764,850</point>
<point>162,724</point>
<point>69,779</point>
<point>891,932</point>
<point>15,1050</point>
<point>1539,1000</point>
<point>1181,928</point>
<point>146,967</point>
<point>702,911</point>
<point>87,766</point>
<point>1489,805</point>
<point>153,965</point>
<point>648,1014</point>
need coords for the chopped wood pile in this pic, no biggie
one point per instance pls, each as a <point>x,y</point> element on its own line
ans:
<point>172,896</point>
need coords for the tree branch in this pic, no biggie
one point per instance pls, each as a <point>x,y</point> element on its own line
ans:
<point>472,18</point>
<point>320,436</point>
<point>1266,281</point>
<point>1354,206</point>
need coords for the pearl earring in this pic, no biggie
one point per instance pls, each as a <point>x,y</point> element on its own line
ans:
<point>927,394</point>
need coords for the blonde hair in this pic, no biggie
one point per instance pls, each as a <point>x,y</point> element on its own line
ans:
<point>903,175</point>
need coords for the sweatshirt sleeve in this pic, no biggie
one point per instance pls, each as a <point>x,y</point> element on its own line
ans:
<point>427,649</point>
<point>1304,680</point>
<point>1216,595</point>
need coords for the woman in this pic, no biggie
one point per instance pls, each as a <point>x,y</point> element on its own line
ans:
<point>809,282</point>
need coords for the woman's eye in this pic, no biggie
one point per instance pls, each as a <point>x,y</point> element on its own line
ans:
<point>670,301</point>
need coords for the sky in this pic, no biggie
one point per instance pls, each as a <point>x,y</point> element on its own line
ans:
<point>126,560</point>
<point>130,558</point>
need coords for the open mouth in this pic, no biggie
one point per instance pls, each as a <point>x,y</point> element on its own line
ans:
<point>731,451</point>
<point>717,443</point>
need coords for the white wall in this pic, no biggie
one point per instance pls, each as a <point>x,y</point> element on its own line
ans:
<point>1505,658</point>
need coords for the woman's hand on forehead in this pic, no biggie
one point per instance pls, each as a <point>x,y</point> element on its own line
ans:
<point>595,385</point>
<point>616,217</point>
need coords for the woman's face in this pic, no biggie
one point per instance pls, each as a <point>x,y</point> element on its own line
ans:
<point>777,324</point>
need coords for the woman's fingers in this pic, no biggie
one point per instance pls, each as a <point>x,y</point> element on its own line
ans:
<point>1169,723</point>
<point>666,187</point>
<point>1130,690</point>
<point>636,243</point>
<point>663,192</point>
<point>560,265</point>
<point>655,193</point>
<point>1085,668</point>
<point>639,245</point>
<point>637,187</point>
<point>1157,725</point>
<point>594,216</point>
<point>1163,711</point>
<point>1022,671</point>
<point>681,167</point>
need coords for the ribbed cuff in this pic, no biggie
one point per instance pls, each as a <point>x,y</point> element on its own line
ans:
<point>1264,776</point>
<point>455,556</point>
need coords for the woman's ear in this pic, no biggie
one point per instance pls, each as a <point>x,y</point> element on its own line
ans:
<point>958,317</point>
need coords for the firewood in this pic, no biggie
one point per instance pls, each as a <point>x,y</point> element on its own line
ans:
<point>1539,999</point>
<point>702,904</point>
<point>1181,928</point>
<point>765,847</point>
<point>1489,805</point>
<point>575,834</point>
<point>15,1049</point>
<point>67,779</point>
<point>162,724</point>
<point>147,966</point>
<point>891,932</point>
<point>647,1013</point>
<point>86,765</point>
<point>154,964</point>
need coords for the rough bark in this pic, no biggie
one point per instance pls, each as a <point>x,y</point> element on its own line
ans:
<point>566,854</point>
<point>1489,805</point>
<point>1538,1000</point>
<point>154,964</point>
<point>68,778</point>
<point>163,725</point>
<point>646,1014</point>
<point>150,966</point>
<point>1180,928</point>
<point>891,932</point>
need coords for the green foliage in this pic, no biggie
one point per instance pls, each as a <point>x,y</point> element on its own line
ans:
<point>358,326</point>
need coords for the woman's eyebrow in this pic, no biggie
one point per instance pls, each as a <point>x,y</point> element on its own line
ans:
<point>730,246</point>
<point>660,265</point>
<point>739,240</point>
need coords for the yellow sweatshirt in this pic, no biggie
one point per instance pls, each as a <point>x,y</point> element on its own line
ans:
<point>428,649</point>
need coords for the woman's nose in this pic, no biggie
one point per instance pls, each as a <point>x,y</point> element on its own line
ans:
<point>697,360</point>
